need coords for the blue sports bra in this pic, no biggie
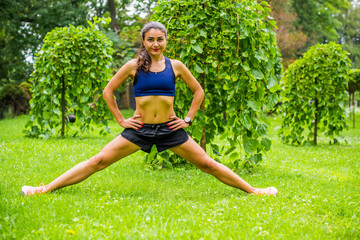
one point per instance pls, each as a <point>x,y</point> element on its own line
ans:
<point>151,83</point>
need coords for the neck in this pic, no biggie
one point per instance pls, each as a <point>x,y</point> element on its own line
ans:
<point>157,58</point>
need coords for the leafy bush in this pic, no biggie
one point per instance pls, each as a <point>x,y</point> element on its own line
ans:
<point>230,47</point>
<point>70,72</point>
<point>314,95</point>
<point>13,99</point>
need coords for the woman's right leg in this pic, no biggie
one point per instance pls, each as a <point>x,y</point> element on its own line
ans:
<point>112,152</point>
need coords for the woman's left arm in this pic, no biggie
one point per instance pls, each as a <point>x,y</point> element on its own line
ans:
<point>183,72</point>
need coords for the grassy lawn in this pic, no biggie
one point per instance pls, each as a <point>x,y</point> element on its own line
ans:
<point>319,193</point>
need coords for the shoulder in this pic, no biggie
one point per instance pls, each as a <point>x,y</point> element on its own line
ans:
<point>130,66</point>
<point>180,69</point>
<point>178,65</point>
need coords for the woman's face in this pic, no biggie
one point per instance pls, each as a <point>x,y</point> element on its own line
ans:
<point>155,41</point>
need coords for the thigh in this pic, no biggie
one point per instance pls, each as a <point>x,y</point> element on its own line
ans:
<point>192,152</point>
<point>117,149</point>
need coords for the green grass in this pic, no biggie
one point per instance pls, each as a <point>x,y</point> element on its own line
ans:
<point>319,192</point>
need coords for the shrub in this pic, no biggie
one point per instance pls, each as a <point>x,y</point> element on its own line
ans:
<point>70,72</point>
<point>314,95</point>
<point>14,99</point>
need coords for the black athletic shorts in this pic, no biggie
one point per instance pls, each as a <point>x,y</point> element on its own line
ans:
<point>158,134</point>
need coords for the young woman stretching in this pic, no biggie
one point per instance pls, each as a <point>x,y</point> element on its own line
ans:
<point>154,121</point>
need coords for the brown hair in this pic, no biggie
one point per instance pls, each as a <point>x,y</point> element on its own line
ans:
<point>144,59</point>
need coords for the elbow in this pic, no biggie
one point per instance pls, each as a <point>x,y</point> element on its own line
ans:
<point>199,95</point>
<point>106,92</point>
<point>202,94</point>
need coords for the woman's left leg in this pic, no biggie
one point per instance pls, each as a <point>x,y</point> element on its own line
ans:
<point>193,153</point>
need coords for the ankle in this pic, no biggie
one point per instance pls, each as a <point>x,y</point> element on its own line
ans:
<point>252,190</point>
<point>47,188</point>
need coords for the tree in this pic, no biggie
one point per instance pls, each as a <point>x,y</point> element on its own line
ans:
<point>349,32</point>
<point>290,39</point>
<point>230,47</point>
<point>70,73</point>
<point>319,19</point>
<point>121,17</point>
<point>24,25</point>
<point>354,85</point>
<point>112,8</point>
<point>314,95</point>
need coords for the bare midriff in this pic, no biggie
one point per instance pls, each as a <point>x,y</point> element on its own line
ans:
<point>154,109</point>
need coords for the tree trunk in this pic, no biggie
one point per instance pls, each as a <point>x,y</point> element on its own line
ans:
<point>316,121</point>
<point>353,103</point>
<point>13,109</point>
<point>203,136</point>
<point>125,99</point>
<point>224,115</point>
<point>202,108</point>
<point>350,105</point>
<point>63,106</point>
<point>114,25</point>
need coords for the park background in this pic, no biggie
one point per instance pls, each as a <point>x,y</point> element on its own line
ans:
<point>319,185</point>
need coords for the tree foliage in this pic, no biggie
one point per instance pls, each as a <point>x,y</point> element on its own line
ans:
<point>318,19</point>
<point>230,47</point>
<point>354,85</point>
<point>13,98</point>
<point>70,72</point>
<point>290,38</point>
<point>24,24</point>
<point>306,107</point>
<point>303,23</point>
<point>349,32</point>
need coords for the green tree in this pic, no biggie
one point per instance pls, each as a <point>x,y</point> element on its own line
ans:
<point>70,72</point>
<point>230,47</point>
<point>290,39</point>
<point>319,19</point>
<point>354,85</point>
<point>314,95</point>
<point>25,23</point>
<point>349,32</point>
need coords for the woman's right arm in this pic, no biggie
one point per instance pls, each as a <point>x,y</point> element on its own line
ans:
<point>126,71</point>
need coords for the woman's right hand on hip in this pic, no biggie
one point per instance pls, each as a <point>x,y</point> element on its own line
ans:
<point>132,122</point>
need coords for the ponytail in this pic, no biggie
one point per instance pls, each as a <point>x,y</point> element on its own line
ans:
<point>143,60</point>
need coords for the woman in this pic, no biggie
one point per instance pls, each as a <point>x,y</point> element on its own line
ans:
<point>154,121</point>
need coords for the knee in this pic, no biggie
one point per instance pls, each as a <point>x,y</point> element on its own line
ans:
<point>97,162</point>
<point>209,165</point>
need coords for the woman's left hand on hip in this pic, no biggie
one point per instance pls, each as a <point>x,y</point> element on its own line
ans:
<point>177,123</point>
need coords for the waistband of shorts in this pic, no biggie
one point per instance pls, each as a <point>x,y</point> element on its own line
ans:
<point>152,125</point>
